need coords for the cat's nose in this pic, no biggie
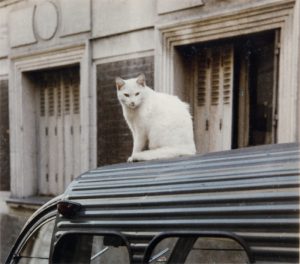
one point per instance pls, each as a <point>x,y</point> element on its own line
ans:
<point>132,104</point>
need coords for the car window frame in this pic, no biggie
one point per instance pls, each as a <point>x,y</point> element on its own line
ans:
<point>94,233</point>
<point>28,231</point>
<point>197,234</point>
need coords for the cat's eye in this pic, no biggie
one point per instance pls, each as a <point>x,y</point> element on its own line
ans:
<point>126,94</point>
<point>137,94</point>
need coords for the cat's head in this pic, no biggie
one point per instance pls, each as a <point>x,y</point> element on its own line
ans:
<point>131,91</point>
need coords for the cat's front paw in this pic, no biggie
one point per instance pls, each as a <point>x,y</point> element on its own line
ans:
<point>133,158</point>
<point>130,159</point>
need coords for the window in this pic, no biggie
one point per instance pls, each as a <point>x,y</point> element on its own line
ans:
<point>232,87</point>
<point>81,248</point>
<point>193,248</point>
<point>37,249</point>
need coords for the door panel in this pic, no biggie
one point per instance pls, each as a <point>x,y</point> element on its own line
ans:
<point>52,134</point>
<point>225,122</point>
<point>215,139</point>
<point>213,107</point>
<point>201,109</point>
<point>60,133</point>
<point>68,142</point>
<point>43,143</point>
<point>59,130</point>
<point>76,126</point>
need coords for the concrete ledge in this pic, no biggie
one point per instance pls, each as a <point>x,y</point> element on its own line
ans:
<point>33,202</point>
<point>4,195</point>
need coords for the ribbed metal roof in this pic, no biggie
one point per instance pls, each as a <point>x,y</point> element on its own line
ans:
<point>252,192</point>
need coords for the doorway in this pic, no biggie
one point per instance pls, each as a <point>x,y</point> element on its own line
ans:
<point>58,128</point>
<point>231,85</point>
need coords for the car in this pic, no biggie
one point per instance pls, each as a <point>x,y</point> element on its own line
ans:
<point>236,206</point>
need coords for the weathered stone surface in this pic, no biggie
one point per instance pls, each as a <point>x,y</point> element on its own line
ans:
<point>75,16</point>
<point>137,41</point>
<point>164,6</point>
<point>3,33</point>
<point>112,17</point>
<point>20,27</point>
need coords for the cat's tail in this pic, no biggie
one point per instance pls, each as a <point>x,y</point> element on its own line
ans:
<point>162,153</point>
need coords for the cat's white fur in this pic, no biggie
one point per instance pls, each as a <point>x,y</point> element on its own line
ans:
<point>161,124</point>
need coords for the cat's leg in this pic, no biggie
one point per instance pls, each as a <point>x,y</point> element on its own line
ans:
<point>139,144</point>
<point>163,153</point>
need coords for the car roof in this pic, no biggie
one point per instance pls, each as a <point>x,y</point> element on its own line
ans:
<point>252,192</point>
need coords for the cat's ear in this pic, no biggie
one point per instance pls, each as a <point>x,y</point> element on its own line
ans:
<point>141,79</point>
<point>119,83</point>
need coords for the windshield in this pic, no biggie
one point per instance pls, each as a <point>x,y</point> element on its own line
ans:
<point>92,249</point>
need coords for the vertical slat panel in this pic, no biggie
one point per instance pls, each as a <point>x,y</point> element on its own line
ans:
<point>226,117</point>
<point>202,97</point>
<point>60,138</point>
<point>43,143</point>
<point>215,142</point>
<point>76,122</point>
<point>52,133</point>
<point>68,130</point>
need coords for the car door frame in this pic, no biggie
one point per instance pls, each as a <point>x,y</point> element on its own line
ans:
<point>38,219</point>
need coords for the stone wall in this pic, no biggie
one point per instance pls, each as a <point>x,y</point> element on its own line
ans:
<point>114,138</point>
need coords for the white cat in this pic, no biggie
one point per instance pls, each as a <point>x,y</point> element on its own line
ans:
<point>161,124</point>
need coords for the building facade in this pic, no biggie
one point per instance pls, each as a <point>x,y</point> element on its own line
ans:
<point>235,62</point>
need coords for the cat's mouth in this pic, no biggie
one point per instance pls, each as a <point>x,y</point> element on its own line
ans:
<point>132,105</point>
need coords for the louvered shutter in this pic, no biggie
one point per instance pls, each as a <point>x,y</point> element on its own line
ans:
<point>71,125</point>
<point>54,141</point>
<point>47,140</point>
<point>201,104</point>
<point>225,121</point>
<point>43,141</point>
<point>75,131</point>
<point>60,139</point>
<point>59,130</point>
<point>215,102</point>
<point>213,106</point>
